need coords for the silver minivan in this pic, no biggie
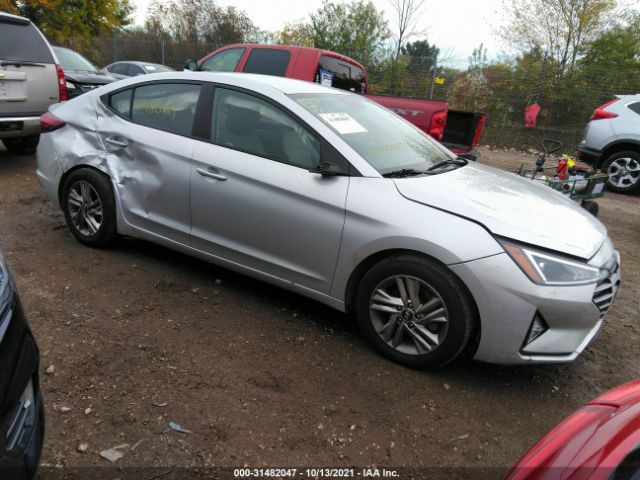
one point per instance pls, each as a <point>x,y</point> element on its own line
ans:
<point>30,81</point>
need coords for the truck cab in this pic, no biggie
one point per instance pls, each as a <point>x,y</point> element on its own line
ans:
<point>458,130</point>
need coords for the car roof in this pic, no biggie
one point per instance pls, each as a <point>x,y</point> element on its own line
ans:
<point>10,18</point>
<point>138,62</point>
<point>246,80</point>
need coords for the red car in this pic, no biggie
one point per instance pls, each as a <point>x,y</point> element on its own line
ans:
<point>459,131</point>
<point>600,441</point>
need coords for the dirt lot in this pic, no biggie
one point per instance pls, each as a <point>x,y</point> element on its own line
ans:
<point>138,336</point>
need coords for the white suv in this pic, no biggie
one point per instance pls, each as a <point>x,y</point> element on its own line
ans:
<point>30,80</point>
<point>612,142</point>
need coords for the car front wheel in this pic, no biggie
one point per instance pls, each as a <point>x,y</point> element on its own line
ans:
<point>89,207</point>
<point>624,172</point>
<point>415,311</point>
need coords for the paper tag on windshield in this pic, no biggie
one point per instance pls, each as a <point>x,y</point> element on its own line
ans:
<point>150,67</point>
<point>343,123</point>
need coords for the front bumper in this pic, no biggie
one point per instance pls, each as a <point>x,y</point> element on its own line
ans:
<point>11,127</point>
<point>508,301</point>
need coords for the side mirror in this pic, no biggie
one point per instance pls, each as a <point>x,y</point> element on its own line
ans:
<point>327,168</point>
<point>191,64</point>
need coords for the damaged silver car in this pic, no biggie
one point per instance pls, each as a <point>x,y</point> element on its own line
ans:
<point>327,194</point>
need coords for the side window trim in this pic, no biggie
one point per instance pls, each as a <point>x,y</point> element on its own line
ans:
<point>106,101</point>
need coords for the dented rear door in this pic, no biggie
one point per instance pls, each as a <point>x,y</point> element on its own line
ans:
<point>146,134</point>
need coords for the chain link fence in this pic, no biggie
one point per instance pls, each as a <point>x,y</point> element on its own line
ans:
<point>566,97</point>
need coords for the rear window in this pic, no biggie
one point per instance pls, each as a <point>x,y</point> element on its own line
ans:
<point>336,73</point>
<point>23,43</point>
<point>268,62</point>
<point>634,107</point>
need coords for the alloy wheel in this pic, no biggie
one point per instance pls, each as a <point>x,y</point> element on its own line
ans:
<point>409,315</point>
<point>624,172</point>
<point>85,208</point>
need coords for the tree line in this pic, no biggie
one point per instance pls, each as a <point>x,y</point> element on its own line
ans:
<point>566,54</point>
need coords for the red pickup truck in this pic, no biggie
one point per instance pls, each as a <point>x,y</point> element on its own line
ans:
<point>460,131</point>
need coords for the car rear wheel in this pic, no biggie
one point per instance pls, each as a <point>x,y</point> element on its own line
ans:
<point>415,311</point>
<point>21,145</point>
<point>624,172</point>
<point>89,207</point>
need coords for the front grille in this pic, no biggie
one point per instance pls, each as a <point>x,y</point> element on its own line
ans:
<point>606,290</point>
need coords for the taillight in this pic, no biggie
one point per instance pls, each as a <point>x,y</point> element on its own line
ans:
<point>600,112</point>
<point>438,122</point>
<point>49,122</point>
<point>62,83</point>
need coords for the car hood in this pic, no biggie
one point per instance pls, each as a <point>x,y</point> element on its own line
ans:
<point>510,206</point>
<point>88,77</point>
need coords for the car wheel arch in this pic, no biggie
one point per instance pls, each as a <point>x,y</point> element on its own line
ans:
<point>365,264</point>
<point>619,146</point>
<point>65,175</point>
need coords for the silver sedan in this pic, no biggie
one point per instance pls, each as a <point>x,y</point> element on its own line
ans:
<point>327,194</point>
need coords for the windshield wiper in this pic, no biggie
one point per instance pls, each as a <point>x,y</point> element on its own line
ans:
<point>403,172</point>
<point>449,162</point>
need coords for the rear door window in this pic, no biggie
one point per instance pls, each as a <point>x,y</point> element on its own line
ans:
<point>268,61</point>
<point>121,102</point>
<point>166,106</point>
<point>225,61</point>
<point>119,68</point>
<point>23,43</point>
<point>340,74</point>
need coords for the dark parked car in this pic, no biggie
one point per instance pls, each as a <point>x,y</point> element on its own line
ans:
<point>133,69</point>
<point>81,75</point>
<point>21,412</point>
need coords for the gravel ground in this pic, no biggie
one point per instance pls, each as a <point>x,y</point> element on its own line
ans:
<point>138,336</point>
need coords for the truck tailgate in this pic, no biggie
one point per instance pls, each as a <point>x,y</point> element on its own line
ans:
<point>417,111</point>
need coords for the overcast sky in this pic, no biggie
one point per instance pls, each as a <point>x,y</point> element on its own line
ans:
<point>456,26</point>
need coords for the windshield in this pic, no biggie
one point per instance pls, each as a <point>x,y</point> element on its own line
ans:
<point>70,60</point>
<point>382,138</point>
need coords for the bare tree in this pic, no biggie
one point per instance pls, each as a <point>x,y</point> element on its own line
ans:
<point>407,12</point>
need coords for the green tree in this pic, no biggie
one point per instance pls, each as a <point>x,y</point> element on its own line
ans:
<point>562,28</point>
<point>423,55</point>
<point>618,47</point>
<point>356,29</point>
<point>59,19</point>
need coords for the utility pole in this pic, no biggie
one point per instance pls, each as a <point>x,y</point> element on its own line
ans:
<point>433,79</point>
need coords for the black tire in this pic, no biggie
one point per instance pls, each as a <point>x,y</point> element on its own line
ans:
<point>106,233</point>
<point>607,165</point>
<point>460,310</point>
<point>21,145</point>
<point>591,207</point>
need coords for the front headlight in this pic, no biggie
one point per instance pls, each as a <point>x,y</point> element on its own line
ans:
<point>70,86</point>
<point>548,269</point>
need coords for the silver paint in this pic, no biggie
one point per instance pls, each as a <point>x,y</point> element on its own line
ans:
<point>309,233</point>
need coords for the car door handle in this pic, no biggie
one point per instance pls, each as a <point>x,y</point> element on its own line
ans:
<point>207,173</point>
<point>115,142</point>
